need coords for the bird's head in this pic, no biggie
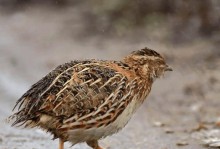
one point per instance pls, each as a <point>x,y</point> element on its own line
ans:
<point>147,62</point>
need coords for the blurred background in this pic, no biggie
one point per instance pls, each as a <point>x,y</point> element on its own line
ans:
<point>182,110</point>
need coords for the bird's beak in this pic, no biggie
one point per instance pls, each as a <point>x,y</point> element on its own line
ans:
<point>168,68</point>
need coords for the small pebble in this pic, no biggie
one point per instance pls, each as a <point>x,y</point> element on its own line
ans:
<point>182,143</point>
<point>168,130</point>
<point>158,124</point>
<point>200,126</point>
<point>212,142</point>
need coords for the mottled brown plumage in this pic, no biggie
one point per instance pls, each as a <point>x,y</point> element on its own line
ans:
<point>84,101</point>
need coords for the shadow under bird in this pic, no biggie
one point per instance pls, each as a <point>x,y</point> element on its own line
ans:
<point>87,100</point>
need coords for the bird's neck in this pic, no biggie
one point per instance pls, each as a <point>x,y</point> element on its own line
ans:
<point>140,70</point>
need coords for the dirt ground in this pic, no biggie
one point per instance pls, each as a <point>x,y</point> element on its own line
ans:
<point>182,110</point>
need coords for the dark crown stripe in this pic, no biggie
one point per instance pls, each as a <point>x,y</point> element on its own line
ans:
<point>146,52</point>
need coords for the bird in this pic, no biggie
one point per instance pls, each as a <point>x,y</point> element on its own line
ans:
<point>88,100</point>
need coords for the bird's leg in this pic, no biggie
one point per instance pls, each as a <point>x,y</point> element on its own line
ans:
<point>61,144</point>
<point>94,144</point>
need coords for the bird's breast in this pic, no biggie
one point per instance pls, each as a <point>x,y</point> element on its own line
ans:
<point>82,135</point>
<point>126,115</point>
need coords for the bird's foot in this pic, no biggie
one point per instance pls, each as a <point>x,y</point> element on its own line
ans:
<point>94,144</point>
<point>61,144</point>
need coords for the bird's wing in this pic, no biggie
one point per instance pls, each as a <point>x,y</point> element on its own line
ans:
<point>80,91</point>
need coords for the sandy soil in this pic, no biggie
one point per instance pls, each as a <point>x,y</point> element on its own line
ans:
<point>181,111</point>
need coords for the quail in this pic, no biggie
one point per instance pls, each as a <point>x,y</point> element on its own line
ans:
<point>87,100</point>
